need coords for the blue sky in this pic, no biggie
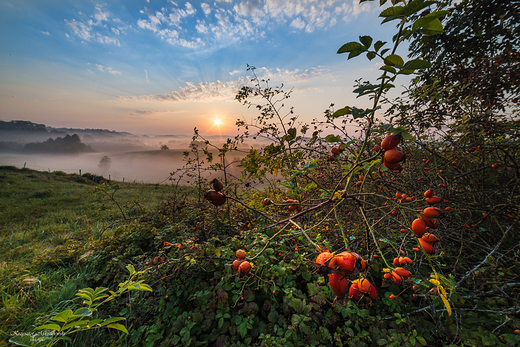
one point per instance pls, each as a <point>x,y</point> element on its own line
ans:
<point>165,67</point>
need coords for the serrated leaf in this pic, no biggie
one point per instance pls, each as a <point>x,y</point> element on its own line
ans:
<point>349,47</point>
<point>118,326</point>
<point>394,60</point>
<point>366,41</point>
<point>48,327</point>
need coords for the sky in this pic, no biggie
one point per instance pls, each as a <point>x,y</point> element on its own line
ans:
<point>165,67</point>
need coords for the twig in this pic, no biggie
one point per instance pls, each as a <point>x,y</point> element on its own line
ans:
<point>27,296</point>
<point>487,256</point>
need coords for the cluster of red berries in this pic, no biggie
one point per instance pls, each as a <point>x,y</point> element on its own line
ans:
<point>346,264</point>
<point>399,274</point>
<point>428,220</point>
<point>241,264</point>
<point>392,157</point>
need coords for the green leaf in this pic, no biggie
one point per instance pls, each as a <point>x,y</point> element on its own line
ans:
<point>417,64</point>
<point>84,311</point>
<point>355,53</point>
<point>421,22</point>
<point>287,184</point>
<point>77,324</point>
<point>388,68</point>
<point>415,6</point>
<point>358,113</point>
<point>130,268</point>
<point>406,71</point>
<point>371,55</point>
<point>242,329</point>
<point>391,11</point>
<point>394,60</point>
<point>432,28</point>
<point>381,2</point>
<point>349,47</point>
<point>23,340</point>
<point>49,327</point>
<point>366,41</point>
<point>112,320</point>
<point>332,138</point>
<point>310,186</point>
<point>292,132</point>
<point>342,111</point>
<point>63,316</point>
<point>421,340</point>
<point>118,326</point>
<point>379,44</point>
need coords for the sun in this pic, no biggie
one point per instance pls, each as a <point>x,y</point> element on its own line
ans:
<point>217,122</point>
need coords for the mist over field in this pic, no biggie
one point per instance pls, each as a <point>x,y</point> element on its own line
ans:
<point>132,158</point>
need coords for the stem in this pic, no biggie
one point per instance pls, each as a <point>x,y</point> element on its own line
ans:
<point>373,236</point>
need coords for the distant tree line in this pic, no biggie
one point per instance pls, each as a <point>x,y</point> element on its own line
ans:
<point>70,144</point>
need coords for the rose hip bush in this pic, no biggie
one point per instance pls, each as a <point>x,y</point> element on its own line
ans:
<point>400,236</point>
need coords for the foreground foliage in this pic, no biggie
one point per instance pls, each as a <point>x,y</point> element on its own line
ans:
<point>406,235</point>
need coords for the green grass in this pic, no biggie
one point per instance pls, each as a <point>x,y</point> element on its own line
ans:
<point>47,221</point>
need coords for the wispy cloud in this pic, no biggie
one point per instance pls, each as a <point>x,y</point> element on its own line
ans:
<point>46,33</point>
<point>212,91</point>
<point>99,27</point>
<point>200,92</point>
<point>107,69</point>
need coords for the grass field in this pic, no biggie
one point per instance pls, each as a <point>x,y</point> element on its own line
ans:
<point>47,222</point>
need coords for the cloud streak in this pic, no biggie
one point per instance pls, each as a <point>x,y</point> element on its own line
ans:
<point>226,91</point>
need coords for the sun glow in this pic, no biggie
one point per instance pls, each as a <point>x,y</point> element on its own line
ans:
<point>217,122</point>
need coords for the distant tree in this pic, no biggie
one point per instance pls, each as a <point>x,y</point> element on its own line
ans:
<point>69,144</point>
<point>164,148</point>
<point>104,163</point>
